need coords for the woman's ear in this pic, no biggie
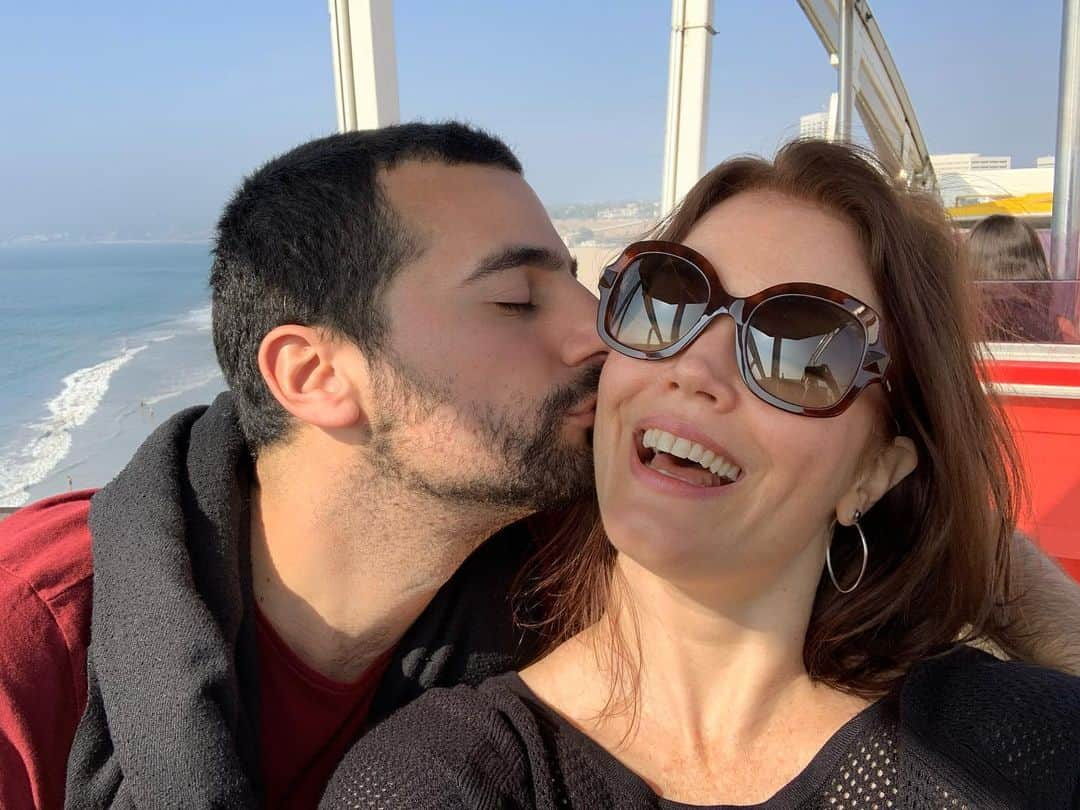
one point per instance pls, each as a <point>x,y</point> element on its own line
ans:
<point>890,465</point>
<point>311,376</point>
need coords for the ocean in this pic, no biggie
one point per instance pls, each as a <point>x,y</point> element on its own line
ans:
<point>98,344</point>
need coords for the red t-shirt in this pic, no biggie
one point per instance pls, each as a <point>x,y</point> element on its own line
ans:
<point>308,721</point>
<point>46,575</point>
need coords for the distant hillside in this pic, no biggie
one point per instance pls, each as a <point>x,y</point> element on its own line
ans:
<point>635,209</point>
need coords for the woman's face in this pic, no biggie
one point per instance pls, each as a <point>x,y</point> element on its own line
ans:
<point>793,472</point>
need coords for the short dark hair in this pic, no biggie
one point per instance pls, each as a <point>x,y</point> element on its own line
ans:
<point>310,238</point>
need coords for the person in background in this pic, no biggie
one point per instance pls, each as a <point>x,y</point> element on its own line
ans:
<point>807,498</point>
<point>1006,251</point>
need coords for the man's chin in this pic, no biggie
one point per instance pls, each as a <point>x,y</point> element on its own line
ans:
<point>546,479</point>
<point>569,478</point>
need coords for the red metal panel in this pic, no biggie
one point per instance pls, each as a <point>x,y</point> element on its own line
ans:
<point>1047,430</point>
<point>1027,372</point>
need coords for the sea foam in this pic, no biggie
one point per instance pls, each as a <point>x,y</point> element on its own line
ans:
<point>71,408</point>
<point>190,384</point>
<point>198,318</point>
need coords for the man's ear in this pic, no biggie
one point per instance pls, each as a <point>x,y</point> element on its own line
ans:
<point>892,464</point>
<point>311,374</point>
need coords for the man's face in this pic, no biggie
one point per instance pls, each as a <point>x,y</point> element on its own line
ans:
<point>485,390</point>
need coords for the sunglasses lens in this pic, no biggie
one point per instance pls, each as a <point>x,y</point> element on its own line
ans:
<point>656,301</point>
<point>803,350</point>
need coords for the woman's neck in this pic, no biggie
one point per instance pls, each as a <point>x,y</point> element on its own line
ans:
<point>721,689</point>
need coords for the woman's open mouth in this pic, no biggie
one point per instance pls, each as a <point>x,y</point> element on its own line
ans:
<point>684,460</point>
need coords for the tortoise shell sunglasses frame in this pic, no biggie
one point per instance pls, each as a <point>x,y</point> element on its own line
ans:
<point>870,369</point>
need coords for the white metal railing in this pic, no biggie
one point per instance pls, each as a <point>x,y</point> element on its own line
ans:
<point>870,82</point>
<point>1065,225</point>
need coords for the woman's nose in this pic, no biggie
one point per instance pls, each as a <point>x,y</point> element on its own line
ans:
<point>707,368</point>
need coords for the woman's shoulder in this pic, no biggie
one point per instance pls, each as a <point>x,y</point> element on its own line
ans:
<point>965,673</point>
<point>1005,720</point>
<point>462,747</point>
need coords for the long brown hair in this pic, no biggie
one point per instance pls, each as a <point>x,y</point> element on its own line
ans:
<point>1002,249</point>
<point>939,540</point>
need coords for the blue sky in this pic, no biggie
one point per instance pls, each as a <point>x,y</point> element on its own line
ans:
<point>132,116</point>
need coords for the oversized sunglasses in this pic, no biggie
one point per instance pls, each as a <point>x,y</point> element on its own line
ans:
<point>803,348</point>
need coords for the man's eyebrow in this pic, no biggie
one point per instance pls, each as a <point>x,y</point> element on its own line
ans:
<point>520,256</point>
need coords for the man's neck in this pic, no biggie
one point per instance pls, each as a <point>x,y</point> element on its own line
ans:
<point>342,576</point>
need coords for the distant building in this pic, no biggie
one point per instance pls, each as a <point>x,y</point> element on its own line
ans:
<point>965,162</point>
<point>970,188</point>
<point>968,178</point>
<point>820,124</point>
<point>815,125</point>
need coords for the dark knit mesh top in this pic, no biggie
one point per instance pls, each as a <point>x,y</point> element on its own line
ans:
<point>963,731</point>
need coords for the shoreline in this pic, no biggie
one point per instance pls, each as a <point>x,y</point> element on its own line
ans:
<point>105,445</point>
<point>85,438</point>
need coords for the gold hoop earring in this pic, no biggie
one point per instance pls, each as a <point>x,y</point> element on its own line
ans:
<point>865,556</point>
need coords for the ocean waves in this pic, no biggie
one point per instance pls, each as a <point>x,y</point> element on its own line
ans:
<point>82,393</point>
<point>198,318</point>
<point>100,335</point>
<point>190,384</point>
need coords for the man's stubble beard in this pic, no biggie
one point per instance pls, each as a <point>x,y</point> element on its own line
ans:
<point>535,469</point>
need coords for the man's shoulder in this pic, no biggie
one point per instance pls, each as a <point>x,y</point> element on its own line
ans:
<point>46,546</point>
<point>46,589</point>
<point>46,586</point>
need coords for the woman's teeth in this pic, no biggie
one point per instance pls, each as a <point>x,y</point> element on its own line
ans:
<point>663,442</point>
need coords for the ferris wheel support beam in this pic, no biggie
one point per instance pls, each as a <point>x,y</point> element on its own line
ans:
<point>1065,227</point>
<point>688,97</point>
<point>877,92</point>
<point>365,65</point>
<point>845,82</point>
